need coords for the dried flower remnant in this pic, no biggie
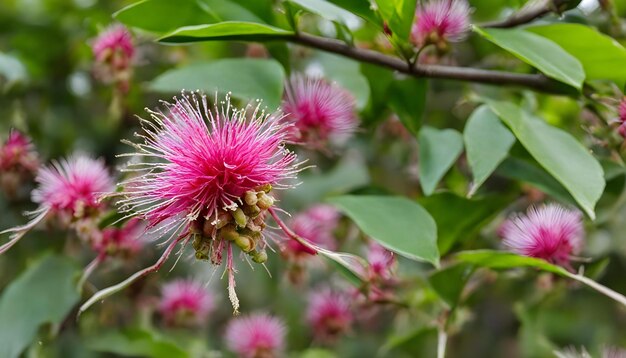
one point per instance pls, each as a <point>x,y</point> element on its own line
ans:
<point>18,162</point>
<point>439,22</point>
<point>213,181</point>
<point>321,112</point>
<point>550,232</point>
<point>329,314</point>
<point>257,335</point>
<point>114,52</point>
<point>70,190</point>
<point>185,303</point>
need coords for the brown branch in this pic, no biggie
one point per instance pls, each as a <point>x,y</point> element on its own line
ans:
<point>536,82</point>
<point>529,14</point>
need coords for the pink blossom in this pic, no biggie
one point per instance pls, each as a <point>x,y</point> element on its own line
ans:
<point>381,261</point>
<point>316,225</point>
<point>185,302</point>
<point>210,179</point>
<point>321,111</point>
<point>256,336</point>
<point>18,154</point>
<point>439,22</point>
<point>114,52</point>
<point>549,232</point>
<point>121,241</point>
<point>329,313</point>
<point>73,186</point>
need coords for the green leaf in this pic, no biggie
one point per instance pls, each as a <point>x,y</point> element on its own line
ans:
<point>558,153</point>
<point>487,143</point>
<point>458,219</point>
<point>407,97</point>
<point>227,30</point>
<point>246,78</point>
<point>360,8</point>
<point>539,52</point>
<point>398,224</point>
<point>188,12</point>
<point>325,9</point>
<point>135,342</point>
<point>601,56</point>
<point>524,171</point>
<point>450,281</point>
<point>347,73</point>
<point>438,150</point>
<point>502,260</point>
<point>399,16</point>
<point>44,293</point>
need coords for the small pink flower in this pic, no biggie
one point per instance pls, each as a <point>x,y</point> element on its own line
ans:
<point>321,111</point>
<point>18,154</point>
<point>316,225</point>
<point>256,336</point>
<point>329,314</point>
<point>121,241</point>
<point>381,261</point>
<point>439,22</point>
<point>73,186</point>
<point>185,302</point>
<point>114,52</point>
<point>549,232</point>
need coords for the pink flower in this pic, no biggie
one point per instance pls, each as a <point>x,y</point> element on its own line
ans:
<point>550,232</point>
<point>185,302</point>
<point>439,22</point>
<point>381,261</point>
<point>256,336</point>
<point>114,52</point>
<point>210,178</point>
<point>73,186</point>
<point>329,314</point>
<point>121,241</point>
<point>321,111</point>
<point>316,225</point>
<point>622,117</point>
<point>18,154</point>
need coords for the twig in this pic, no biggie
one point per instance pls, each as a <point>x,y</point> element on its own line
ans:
<point>529,14</point>
<point>537,82</point>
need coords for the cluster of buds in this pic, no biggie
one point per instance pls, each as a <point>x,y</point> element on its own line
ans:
<point>18,162</point>
<point>242,225</point>
<point>114,51</point>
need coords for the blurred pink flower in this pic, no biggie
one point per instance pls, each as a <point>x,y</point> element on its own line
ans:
<point>381,261</point>
<point>114,51</point>
<point>18,154</point>
<point>122,241</point>
<point>439,22</point>
<point>73,186</point>
<point>549,232</point>
<point>256,336</point>
<point>185,303</point>
<point>622,117</point>
<point>321,111</point>
<point>329,314</point>
<point>316,225</point>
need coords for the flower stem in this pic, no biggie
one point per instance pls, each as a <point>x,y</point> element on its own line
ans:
<point>292,235</point>
<point>442,339</point>
<point>90,268</point>
<point>598,287</point>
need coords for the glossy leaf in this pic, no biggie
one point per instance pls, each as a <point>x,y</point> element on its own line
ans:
<point>601,56</point>
<point>487,143</point>
<point>558,153</point>
<point>228,30</point>
<point>325,9</point>
<point>399,16</point>
<point>398,224</point>
<point>438,150</point>
<point>506,260</point>
<point>360,8</point>
<point>407,98</point>
<point>458,218</point>
<point>539,52</point>
<point>246,78</point>
<point>44,293</point>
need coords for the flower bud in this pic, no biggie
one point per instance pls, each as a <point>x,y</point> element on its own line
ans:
<point>265,201</point>
<point>240,217</point>
<point>252,210</point>
<point>259,256</point>
<point>229,233</point>
<point>245,243</point>
<point>250,198</point>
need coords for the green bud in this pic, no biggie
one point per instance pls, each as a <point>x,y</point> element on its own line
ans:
<point>245,243</point>
<point>250,198</point>
<point>259,256</point>
<point>252,210</point>
<point>228,233</point>
<point>201,256</point>
<point>265,187</point>
<point>240,217</point>
<point>265,202</point>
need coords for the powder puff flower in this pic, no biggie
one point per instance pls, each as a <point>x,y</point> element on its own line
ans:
<point>321,112</point>
<point>211,182</point>
<point>438,22</point>
<point>381,261</point>
<point>114,51</point>
<point>185,302</point>
<point>550,232</point>
<point>256,336</point>
<point>18,161</point>
<point>315,225</point>
<point>329,314</point>
<point>121,241</point>
<point>69,189</point>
